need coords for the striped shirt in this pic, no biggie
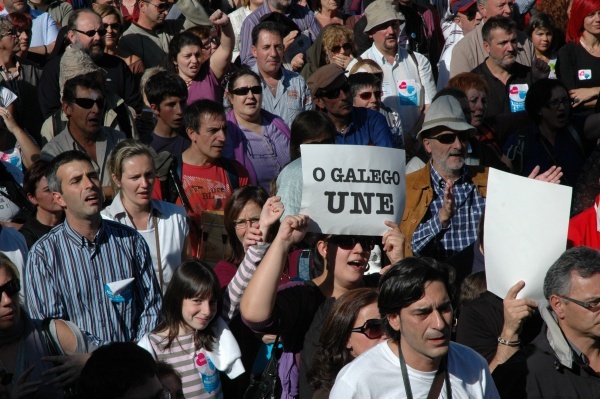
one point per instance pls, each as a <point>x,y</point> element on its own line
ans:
<point>430,238</point>
<point>65,278</point>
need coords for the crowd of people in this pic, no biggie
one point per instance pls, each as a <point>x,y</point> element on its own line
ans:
<point>151,237</point>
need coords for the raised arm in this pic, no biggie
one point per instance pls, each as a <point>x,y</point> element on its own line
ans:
<point>259,299</point>
<point>221,59</point>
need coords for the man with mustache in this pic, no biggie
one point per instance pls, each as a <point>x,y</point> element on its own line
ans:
<point>418,359</point>
<point>96,273</point>
<point>408,85</point>
<point>86,31</point>
<point>501,71</point>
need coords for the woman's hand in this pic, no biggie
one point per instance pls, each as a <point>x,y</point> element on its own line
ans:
<point>584,95</point>
<point>68,370</point>
<point>22,389</point>
<point>271,212</point>
<point>552,175</point>
<point>393,242</point>
<point>342,60</point>
<point>293,229</point>
<point>8,119</point>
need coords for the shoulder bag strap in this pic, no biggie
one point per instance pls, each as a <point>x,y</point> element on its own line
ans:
<point>158,260</point>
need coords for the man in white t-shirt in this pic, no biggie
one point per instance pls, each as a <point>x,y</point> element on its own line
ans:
<point>419,358</point>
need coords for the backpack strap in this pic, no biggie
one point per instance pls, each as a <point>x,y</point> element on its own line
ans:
<point>58,124</point>
<point>232,173</point>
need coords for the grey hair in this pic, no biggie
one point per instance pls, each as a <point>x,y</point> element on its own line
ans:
<point>54,183</point>
<point>482,3</point>
<point>5,25</point>
<point>583,260</point>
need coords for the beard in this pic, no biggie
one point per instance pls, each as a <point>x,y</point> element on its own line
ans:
<point>94,49</point>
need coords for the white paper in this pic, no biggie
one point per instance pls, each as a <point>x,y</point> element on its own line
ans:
<point>120,291</point>
<point>525,231</point>
<point>371,181</point>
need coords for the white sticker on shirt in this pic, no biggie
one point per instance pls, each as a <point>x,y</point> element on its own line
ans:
<point>516,95</point>
<point>584,74</point>
<point>386,89</point>
<point>409,92</point>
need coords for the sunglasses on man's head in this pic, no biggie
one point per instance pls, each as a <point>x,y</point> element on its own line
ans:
<point>338,48</point>
<point>348,242</point>
<point>88,103</point>
<point>162,7</point>
<point>11,288</point>
<point>366,95</point>
<point>91,33</point>
<point>243,91</point>
<point>332,94</point>
<point>372,329</point>
<point>449,138</point>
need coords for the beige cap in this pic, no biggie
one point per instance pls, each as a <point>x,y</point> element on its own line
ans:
<point>379,12</point>
<point>445,111</point>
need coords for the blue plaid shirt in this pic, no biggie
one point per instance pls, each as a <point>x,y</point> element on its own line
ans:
<point>430,238</point>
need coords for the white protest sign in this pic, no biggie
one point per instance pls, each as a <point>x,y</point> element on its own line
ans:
<point>352,189</point>
<point>525,231</point>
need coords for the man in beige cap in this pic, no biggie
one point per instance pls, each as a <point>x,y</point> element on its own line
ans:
<point>354,125</point>
<point>408,85</point>
<point>445,199</point>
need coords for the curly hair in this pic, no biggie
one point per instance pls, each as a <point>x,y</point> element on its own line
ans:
<point>557,9</point>
<point>334,35</point>
<point>332,354</point>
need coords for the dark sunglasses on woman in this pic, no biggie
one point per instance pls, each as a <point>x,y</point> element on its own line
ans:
<point>372,329</point>
<point>349,242</point>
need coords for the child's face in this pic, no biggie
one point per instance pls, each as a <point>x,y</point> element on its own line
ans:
<point>198,312</point>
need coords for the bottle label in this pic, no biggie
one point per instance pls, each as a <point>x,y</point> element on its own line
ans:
<point>210,380</point>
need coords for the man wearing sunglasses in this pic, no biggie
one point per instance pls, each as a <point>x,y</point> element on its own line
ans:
<point>150,35</point>
<point>360,126</point>
<point>86,32</point>
<point>408,85</point>
<point>564,360</point>
<point>418,360</point>
<point>465,18</point>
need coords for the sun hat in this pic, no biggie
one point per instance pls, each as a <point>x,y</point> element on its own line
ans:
<point>445,111</point>
<point>379,12</point>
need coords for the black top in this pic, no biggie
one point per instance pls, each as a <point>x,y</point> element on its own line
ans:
<point>33,230</point>
<point>573,61</point>
<point>498,102</point>
<point>119,80</point>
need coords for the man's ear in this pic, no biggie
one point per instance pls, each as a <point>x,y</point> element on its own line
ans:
<point>427,145</point>
<point>486,46</point>
<point>58,198</point>
<point>190,132</point>
<point>319,102</point>
<point>458,22</point>
<point>558,306</point>
<point>394,320</point>
<point>481,9</point>
<point>254,51</point>
<point>66,108</point>
<point>155,109</point>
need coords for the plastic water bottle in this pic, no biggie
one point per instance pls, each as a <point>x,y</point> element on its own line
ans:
<point>210,375</point>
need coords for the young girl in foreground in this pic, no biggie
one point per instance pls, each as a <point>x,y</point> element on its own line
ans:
<point>192,336</point>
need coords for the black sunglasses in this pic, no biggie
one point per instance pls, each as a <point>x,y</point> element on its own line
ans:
<point>11,288</point>
<point>162,7</point>
<point>348,242</point>
<point>88,103</point>
<point>332,94</point>
<point>243,91</point>
<point>368,94</point>
<point>113,26</point>
<point>91,33</point>
<point>373,329</point>
<point>345,46</point>
<point>449,138</point>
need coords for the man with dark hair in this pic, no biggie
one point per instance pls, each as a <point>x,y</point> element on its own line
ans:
<point>285,93</point>
<point>167,95</point>
<point>84,106</point>
<point>86,31</point>
<point>564,360</point>
<point>418,359</point>
<point>300,15</point>
<point>207,179</point>
<point>354,125</point>
<point>96,273</point>
<point>121,371</point>
<point>501,71</point>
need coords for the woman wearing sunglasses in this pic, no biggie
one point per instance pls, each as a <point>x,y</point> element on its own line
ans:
<point>289,310</point>
<point>203,76</point>
<point>352,326</point>
<point>334,45</point>
<point>26,368</point>
<point>113,23</point>
<point>256,138</point>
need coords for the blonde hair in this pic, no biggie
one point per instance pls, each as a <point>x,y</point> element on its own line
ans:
<point>104,10</point>
<point>123,151</point>
<point>335,34</point>
<point>362,63</point>
<point>6,263</point>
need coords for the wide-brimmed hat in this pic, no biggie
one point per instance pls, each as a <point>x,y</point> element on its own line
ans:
<point>461,6</point>
<point>324,77</point>
<point>445,111</point>
<point>379,12</point>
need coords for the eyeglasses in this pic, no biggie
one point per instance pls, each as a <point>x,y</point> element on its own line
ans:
<point>333,94</point>
<point>592,306</point>
<point>11,288</point>
<point>213,41</point>
<point>366,95</point>
<point>555,104</point>
<point>88,103</point>
<point>449,138</point>
<point>345,46</point>
<point>162,7</point>
<point>91,33</point>
<point>243,91</point>
<point>373,329</point>
<point>349,242</point>
<point>242,223</point>
<point>113,26</point>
